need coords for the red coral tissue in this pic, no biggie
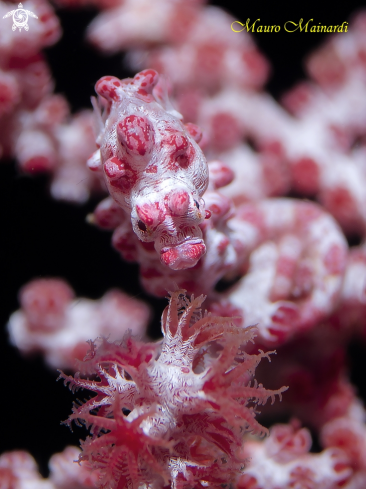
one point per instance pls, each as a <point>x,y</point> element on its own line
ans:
<point>173,412</point>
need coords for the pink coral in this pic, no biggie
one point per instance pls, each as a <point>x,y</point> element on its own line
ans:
<point>143,22</point>
<point>52,322</point>
<point>18,470</point>
<point>175,410</point>
<point>282,461</point>
<point>285,263</point>
<point>296,265</point>
<point>18,45</point>
<point>36,125</point>
<point>348,433</point>
<point>350,316</point>
<point>65,473</point>
<point>207,57</point>
<point>313,365</point>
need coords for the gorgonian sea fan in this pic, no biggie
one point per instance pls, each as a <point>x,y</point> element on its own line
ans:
<point>171,413</point>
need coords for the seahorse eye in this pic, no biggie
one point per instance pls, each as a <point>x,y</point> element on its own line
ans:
<point>197,204</point>
<point>141,226</point>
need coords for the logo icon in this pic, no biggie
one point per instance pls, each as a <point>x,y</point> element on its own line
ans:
<point>20,18</point>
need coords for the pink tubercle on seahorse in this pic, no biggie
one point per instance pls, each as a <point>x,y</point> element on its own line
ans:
<point>152,166</point>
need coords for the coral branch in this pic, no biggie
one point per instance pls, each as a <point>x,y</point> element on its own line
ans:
<point>183,423</point>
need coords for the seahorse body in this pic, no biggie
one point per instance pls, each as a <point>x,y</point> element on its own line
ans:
<point>153,166</point>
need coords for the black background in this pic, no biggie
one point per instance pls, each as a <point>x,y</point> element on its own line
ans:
<point>43,238</point>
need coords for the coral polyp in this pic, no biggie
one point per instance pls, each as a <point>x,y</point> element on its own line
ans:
<point>174,411</point>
